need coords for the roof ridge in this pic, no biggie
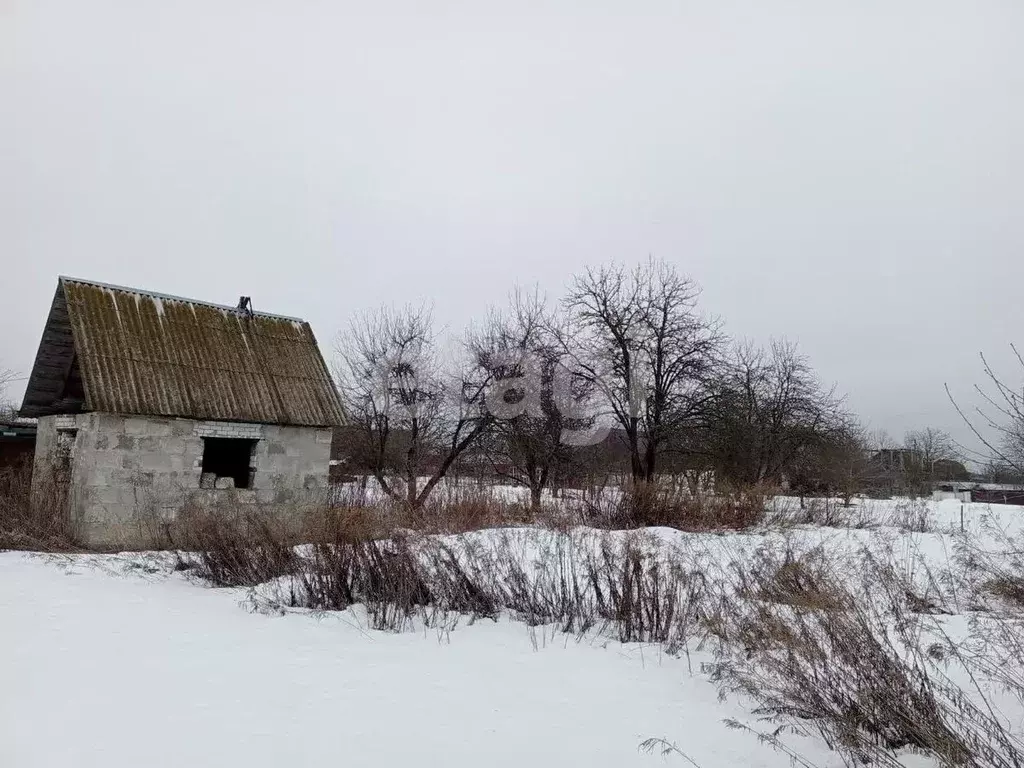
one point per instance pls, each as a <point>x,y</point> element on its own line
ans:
<point>172,297</point>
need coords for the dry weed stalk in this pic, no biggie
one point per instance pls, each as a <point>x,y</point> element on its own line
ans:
<point>34,512</point>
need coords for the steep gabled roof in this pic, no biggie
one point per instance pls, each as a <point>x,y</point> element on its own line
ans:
<point>121,350</point>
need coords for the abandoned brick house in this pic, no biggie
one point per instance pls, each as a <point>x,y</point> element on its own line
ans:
<point>147,403</point>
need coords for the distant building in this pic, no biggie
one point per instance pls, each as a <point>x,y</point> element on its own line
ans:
<point>17,442</point>
<point>982,493</point>
<point>898,470</point>
<point>987,493</point>
<point>147,403</point>
<point>908,460</point>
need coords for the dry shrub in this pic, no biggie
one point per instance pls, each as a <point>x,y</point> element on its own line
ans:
<point>232,545</point>
<point>830,672</point>
<point>800,580</point>
<point>393,580</point>
<point>1009,588</point>
<point>911,515</point>
<point>827,511</point>
<point>993,564</point>
<point>864,514</point>
<point>561,517</point>
<point>361,522</point>
<point>549,587</point>
<point>616,585</point>
<point>855,667</point>
<point>644,598</point>
<point>399,579</point>
<point>34,514</point>
<point>235,544</point>
<point>620,586</point>
<point>462,584</point>
<point>993,567</point>
<point>447,510</point>
<point>457,510</point>
<point>644,505</point>
<point>384,575</point>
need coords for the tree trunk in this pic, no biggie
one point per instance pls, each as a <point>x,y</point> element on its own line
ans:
<point>454,451</point>
<point>411,464</point>
<point>636,463</point>
<point>535,492</point>
<point>537,485</point>
<point>650,458</point>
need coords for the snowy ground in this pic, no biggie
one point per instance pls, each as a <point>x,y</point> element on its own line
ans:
<point>119,661</point>
<point>108,666</point>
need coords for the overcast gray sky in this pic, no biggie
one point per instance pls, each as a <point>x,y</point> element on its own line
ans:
<point>847,174</point>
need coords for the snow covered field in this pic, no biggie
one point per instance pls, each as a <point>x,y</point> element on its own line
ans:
<point>106,665</point>
<point>118,660</point>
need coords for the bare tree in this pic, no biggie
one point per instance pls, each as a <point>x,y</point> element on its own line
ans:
<point>518,351</point>
<point>932,455</point>
<point>637,337</point>
<point>773,414</point>
<point>879,440</point>
<point>995,471</point>
<point>1012,443</point>
<point>931,445</point>
<point>837,464</point>
<point>411,414</point>
<point>1001,416</point>
<point>7,408</point>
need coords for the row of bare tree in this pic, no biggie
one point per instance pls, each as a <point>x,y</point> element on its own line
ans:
<point>624,374</point>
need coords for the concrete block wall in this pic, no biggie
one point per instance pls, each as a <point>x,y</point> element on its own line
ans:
<point>45,461</point>
<point>131,474</point>
<point>46,440</point>
<point>291,464</point>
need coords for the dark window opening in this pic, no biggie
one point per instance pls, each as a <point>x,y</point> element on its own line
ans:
<point>228,457</point>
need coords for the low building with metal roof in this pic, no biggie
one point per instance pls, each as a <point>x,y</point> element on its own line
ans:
<point>17,442</point>
<point>149,403</point>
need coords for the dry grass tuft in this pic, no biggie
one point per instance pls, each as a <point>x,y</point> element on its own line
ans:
<point>1007,587</point>
<point>803,581</point>
<point>993,565</point>
<point>646,505</point>
<point>854,667</point>
<point>231,546</point>
<point>34,519</point>
<point>460,510</point>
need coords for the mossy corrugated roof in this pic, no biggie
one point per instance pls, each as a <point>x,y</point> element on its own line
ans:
<point>140,352</point>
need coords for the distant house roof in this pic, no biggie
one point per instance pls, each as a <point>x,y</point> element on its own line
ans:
<point>973,486</point>
<point>122,350</point>
<point>16,428</point>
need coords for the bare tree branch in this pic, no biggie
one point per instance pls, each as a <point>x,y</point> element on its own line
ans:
<point>519,353</point>
<point>1004,420</point>
<point>772,415</point>
<point>409,416</point>
<point>637,338</point>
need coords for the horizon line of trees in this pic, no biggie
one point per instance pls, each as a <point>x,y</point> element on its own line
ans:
<point>625,352</point>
